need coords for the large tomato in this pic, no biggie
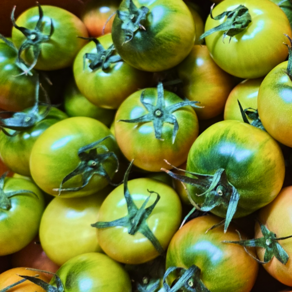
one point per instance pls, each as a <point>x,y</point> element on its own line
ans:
<point>15,150</point>
<point>223,267</point>
<point>106,86</point>
<point>274,104</point>
<point>20,214</point>
<point>62,46</point>
<point>150,38</point>
<point>65,229</point>
<point>138,140</point>
<point>277,218</point>
<point>163,221</point>
<point>243,162</point>
<point>243,54</point>
<point>205,82</point>
<point>55,156</point>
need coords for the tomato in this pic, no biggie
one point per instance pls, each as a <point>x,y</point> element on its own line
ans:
<point>15,150</point>
<point>138,140</point>
<point>205,82</point>
<point>242,55</point>
<point>55,155</point>
<point>223,267</point>
<point>248,164</point>
<point>275,106</point>
<point>63,45</point>
<point>246,93</point>
<point>277,218</point>
<point>98,16</point>
<point>163,221</point>
<point>106,87</point>
<point>156,42</point>
<point>11,276</point>
<point>65,229</point>
<point>23,93</point>
<point>20,214</point>
<point>77,105</point>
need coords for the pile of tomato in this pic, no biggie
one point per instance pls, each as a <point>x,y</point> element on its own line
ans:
<point>145,145</point>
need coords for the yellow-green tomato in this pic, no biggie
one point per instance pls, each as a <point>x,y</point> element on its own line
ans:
<point>92,272</point>
<point>164,220</point>
<point>65,229</point>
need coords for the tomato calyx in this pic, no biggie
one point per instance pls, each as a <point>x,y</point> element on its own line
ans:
<point>103,58</point>
<point>15,284</point>
<point>289,66</point>
<point>135,221</point>
<point>34,38</point>
<point>5,203</point>
<point>21,65</point>
<point>269,242</point>
<point>236,21</point>
<point>24,120</point>
<point>187,280</point>
<point>92,157</point>
<point>251,114</point>
<point>131,19</point>
<point>160,114</point>
<point>216,190</point>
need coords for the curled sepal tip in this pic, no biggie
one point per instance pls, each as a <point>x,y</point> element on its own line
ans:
<point>103,57</point>
<point>187,280</point>
<point>269,242</point>
<point>132,18</point>
<point>236,21</point>
<point>215,190</point>
<point>34,39</point>
<point>160,113</point>
<point>289,66</point>
<point>136,219</point>
<point>91,163</point>
<point>5,196</point>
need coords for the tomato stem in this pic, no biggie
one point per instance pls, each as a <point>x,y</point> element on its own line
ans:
<point>236,21</point>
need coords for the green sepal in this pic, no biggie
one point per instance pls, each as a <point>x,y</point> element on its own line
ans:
<point>253,115</point>
<point>24,120</point>
<point>103,58</point>
<point>5,197</point>
<point>160,114</point>
<point>132,18</point>
<point>12,285</point>
<point>90,164</point>
<point>188,280</point>
<point>136,220</point>
<point>269,242</point>
<point>236,21</point>
<point>216,190</point>
<point>289,66</point>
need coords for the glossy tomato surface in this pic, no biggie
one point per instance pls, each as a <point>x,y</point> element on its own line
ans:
<point>243,55</point>
<point>224,266</point>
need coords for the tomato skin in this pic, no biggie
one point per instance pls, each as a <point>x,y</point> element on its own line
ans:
<point>277,217</point>
<point>224,266</point>
<point>15,151</point>
<point>253,162</point>
<point>275,106</point>
<point>77,105</point>
<point>96,13</point>
<point>205,82</point>
<point>59,52</point>
<point>244,56</point>
<point>107,88</point>
<point>163,221</point>
<point>247,93</point>
<point>54,155</point>
<point>23,93</point>
<point>139,142</point>
<point>199,24</point>
<point>163,44</point>
<point>65,230</point>
<point>95,268</point>
<point>11,276</point>
<point>15,222</point>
